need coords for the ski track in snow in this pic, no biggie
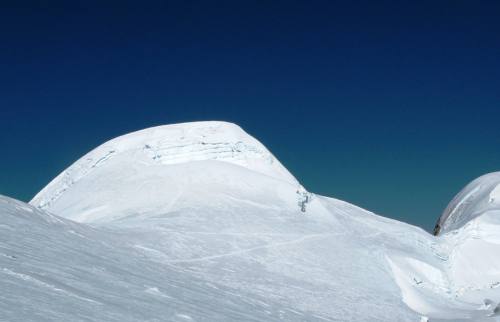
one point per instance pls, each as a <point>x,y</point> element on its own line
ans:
<point>248,250</point>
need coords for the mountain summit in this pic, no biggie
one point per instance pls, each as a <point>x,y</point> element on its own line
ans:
<point>200,222</point>
<point>148,169</point>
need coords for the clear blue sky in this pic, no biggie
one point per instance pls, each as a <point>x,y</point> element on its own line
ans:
<point>393,106</point>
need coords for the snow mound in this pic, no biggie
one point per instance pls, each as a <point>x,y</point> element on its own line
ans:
<point>478,197</point>
<point>464,284</point>
<point>149,169</point>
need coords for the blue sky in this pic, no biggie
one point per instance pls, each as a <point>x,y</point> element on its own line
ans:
<point>393,106</point>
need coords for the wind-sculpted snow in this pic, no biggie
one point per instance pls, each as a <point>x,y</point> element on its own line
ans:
<point>478,197</point>
<point>52,269</point>
<point>220,231</point>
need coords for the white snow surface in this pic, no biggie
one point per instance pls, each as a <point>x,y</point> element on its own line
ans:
<point>478,197</point>
<point>137,172</point>
<point>200,222</point>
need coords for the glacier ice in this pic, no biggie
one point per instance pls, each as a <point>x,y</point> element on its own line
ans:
<point>200,222</point>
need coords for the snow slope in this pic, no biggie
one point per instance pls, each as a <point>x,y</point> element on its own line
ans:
<point>199,221</point>
<point>478,197</point>
<point>52,269</point>
<point>141,171</point>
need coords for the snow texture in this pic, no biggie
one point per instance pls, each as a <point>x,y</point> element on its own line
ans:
<point>478,197</point>
<point>200,222</point>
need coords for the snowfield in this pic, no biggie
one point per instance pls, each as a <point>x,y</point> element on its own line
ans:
<point>200,222</point>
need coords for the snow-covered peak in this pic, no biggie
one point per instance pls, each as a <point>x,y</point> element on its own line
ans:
<point>478,197</point>
<point>203,213</point>
<point>148,168</point>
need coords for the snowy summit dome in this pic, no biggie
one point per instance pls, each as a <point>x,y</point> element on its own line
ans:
<point>478,197</point>
<point>147,168</point>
